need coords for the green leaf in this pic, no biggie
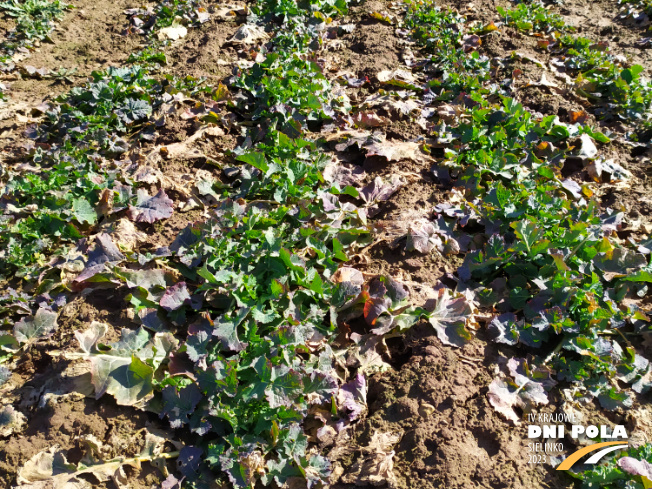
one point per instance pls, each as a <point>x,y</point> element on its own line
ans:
<point>83,211</point>
<point>255,159</point>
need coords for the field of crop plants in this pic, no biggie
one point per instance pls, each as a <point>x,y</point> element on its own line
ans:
<point>323,243</point>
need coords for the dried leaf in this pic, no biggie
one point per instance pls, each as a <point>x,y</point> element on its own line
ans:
<point>376,468</point>
<point>249,34</point>
<point>524,393</point>
<point>11,421</point>
<point>607,171</point>
<point>173,32</point>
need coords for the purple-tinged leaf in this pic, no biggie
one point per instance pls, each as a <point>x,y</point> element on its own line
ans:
<point>175,297</point>
<point>380,190</point>
<point>504,397</point>
<point>285,387</point>
<point>612,399</point>
<point>179,405</point>
<point>450,318</point>
<point>503,329</point>
<point>636,467</point>
<point>320,387</point>
<point>422,237</point>
<point>151,209</point>
<point>189,461</point>
<point>226,330</point>
<point>395,289</point>
<point>104,252</point>
<point>150,318</point>
<point>171,482</point>
<point>352,397</point>
<point>343,174</point>
<point>374,307</point>
<point>523,393</point>
<point>199,336</point>
<point>147,279</point>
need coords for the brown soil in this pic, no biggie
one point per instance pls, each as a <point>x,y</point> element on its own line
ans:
<point>372,46</point>
<point>596,20</point>
<point>88,38</point>
<point>205,52</point>
<point>450,435</point>
<point>61,418</point>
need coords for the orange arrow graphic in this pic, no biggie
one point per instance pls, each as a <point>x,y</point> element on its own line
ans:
<point>568,463</point>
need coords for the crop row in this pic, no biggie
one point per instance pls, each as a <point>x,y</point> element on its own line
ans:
<point>552,267</point>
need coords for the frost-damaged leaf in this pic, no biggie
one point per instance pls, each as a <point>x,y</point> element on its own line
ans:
<point>104,252</point>
<point>392,104</point>
<point>400,150</point>
<point>5,374</point>
<point>380,190</point>
<point>348,275</point>
<point>400,78</point>
<point>619,262</point>
<point>124,369</point>
<point>11,421</point>
<point>384,17</point>
<point>523,392</point>
<point>151,209</point>
<point>175,297</point>
<point>636,467</point>
<point>367,120</point>
<point>587,150</point>
<point>174,32</point>
<point>422,237</point>
<point>36,327</point>
<point>607,171</point>
<point>503,396</point>
<point>50,469</point>
<point>248,34</point>
<point>572,187</point>
<point>125,234</point>
<point>49,464</point>
<point>343,174</point>
<point>376,466</point>
<point>451,318</point>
